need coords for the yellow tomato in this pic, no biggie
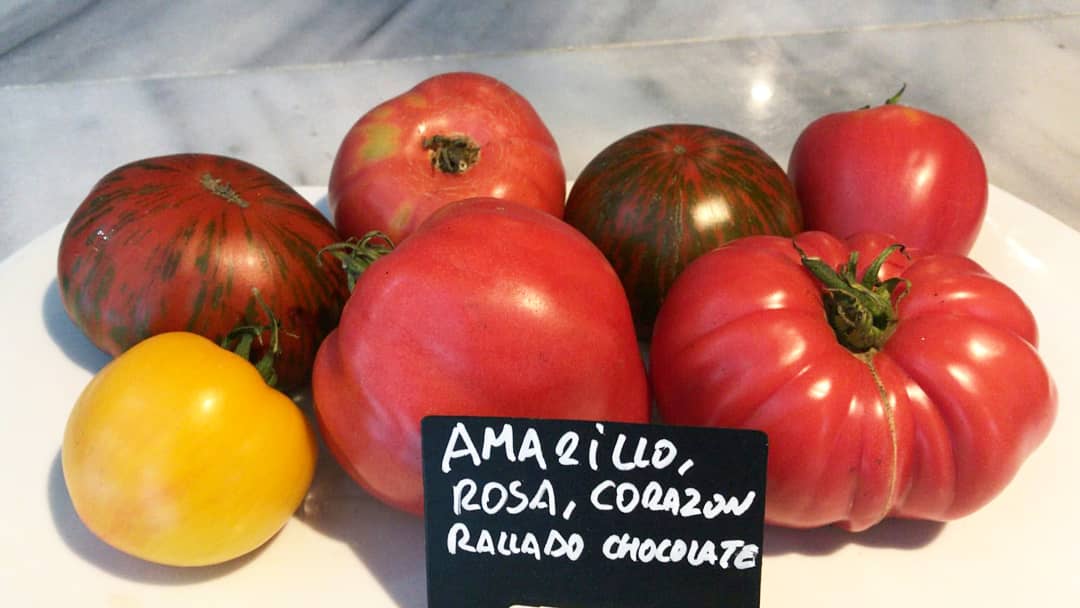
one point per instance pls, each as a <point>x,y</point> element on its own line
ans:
<point>178,452</point>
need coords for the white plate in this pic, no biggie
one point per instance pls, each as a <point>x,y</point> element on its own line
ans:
<point>344,547</point>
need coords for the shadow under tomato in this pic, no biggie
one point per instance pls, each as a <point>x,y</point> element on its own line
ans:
<point>89,547</point>
<point>323,205</point>
<point>891,534</point>
<point>389,543</point>
<point>74,344</point>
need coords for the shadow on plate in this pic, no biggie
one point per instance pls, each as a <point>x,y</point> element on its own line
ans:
<point>89,547</point>
<point>391,543</point>
<point>388,542</point>
<point>72,342</point>
<point>891,534</point>
<point>323,205</point>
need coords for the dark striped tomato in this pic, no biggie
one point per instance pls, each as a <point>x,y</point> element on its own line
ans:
<point>181,242</point>
<point>660,197</point>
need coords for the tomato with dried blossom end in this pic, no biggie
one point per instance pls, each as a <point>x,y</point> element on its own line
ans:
<point>895,169</point>
<point>453,136</point>
<point>889,385</point>
<point>490,308</point>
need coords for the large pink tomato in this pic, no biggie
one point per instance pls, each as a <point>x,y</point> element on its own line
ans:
<point>453,136</point>
<point>907,387</point>
<point>489,308</point>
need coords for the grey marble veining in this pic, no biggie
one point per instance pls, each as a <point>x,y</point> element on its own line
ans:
<point>1008,73</point>
<point>51,41</point>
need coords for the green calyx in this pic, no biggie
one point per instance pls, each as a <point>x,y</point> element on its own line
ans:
<point>895,99</point>
<point>862,312</point>
<point>357,254</point>
<point>245,336</point>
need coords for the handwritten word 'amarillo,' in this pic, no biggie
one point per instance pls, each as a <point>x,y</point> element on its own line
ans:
<point>504,445</point>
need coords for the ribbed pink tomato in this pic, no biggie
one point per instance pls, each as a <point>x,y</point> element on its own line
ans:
<point>907,387</point>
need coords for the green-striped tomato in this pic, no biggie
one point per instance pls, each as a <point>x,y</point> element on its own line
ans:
<point>660,197</point>
<point>182,242</point>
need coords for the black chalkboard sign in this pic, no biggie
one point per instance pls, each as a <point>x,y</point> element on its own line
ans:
<point>575,514</point>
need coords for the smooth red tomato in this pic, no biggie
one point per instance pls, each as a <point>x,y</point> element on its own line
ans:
<point>916,394</point>
<point>453,136</point>
<point>489,308</point>
<point>894,169</point>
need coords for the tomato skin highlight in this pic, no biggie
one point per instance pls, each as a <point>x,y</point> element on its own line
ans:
<point>177,452</point>
<point>893,169</point>
<point>659,197</point>
<point>383,177</point>
<point>931,425</point>
<point>179,243</point>
<point>490,308</point>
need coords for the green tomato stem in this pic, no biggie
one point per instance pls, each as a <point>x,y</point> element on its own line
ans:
<point>896,97</point>
<point>862,312</point>
<point>357,254</point>
<point>245,337</point>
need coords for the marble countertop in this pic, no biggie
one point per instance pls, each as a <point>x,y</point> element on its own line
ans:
<point>88,86</point>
